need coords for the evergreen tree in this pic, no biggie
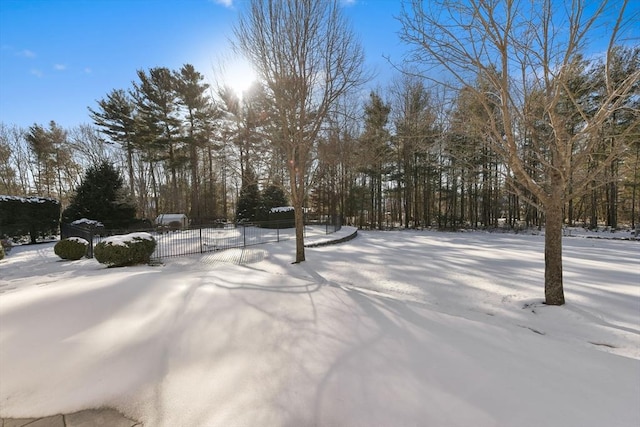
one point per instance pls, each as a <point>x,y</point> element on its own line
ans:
<point>115,117</point>
<point>249,201</point>
<point>101,196</point>
<point>199,113</point>
<point>272,197</point>
<point>157,101</point>
<point>54,166</point>
<point>42,149</point>
<point>375,152</point>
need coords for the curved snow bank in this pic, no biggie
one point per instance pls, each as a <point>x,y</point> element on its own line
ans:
<point>345,234</point>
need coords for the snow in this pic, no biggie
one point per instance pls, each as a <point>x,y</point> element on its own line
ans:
<point>89,222</point>
<point>198,240</point>
<point>79,240</point>
<point>126,239</point>
<point>282,209</point>
<point>392,328</point>
<point>32,199</point>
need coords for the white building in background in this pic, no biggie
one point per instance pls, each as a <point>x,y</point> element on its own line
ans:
<point>167,219</point>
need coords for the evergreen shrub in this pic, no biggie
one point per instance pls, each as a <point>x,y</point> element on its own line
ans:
<point>272,197</point>
<point>101,195</point>
<point>128,249</point>
<point>1,252</point>
<point>72,248</point>
<point>281,217</point>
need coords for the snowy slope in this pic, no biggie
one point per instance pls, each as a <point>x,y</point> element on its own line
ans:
<point>390,329</point>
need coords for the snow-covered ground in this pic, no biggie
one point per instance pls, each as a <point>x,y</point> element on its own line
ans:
<point>399,328</point>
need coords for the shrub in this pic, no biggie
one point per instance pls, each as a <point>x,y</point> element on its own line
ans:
<point>1,252</point>
<point>281,217</point>
<point>72,248</point>
<point>127,249</point>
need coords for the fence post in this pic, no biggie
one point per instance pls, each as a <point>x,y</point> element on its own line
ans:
<point>200,230</point>
<point>277,232</point>
<point>91,234</point>
<point>244,236</point>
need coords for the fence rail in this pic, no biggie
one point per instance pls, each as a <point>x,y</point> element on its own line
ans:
<point>206,238</point>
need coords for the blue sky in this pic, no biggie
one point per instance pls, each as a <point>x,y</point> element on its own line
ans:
<point>57,57</point>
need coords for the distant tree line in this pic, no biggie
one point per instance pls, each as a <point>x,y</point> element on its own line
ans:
<point>408,156</point>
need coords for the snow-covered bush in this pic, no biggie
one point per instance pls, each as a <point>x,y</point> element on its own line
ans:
<point>126,249</point>
<point>72,248</point>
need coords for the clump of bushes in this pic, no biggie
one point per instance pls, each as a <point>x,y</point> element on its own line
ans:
<point>1,252</point>
<point>127,249</point>
<point>71,248</point>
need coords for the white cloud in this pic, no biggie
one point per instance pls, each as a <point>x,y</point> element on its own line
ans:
<point>26,53</point>
<point>59,67</point>
<point>225,3</point>
<point>36,72</point>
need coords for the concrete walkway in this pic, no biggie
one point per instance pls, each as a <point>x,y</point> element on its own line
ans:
<point>88,418</point>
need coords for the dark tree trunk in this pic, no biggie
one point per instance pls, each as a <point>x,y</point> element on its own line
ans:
<point>553,287</point>
<point>299,221</point>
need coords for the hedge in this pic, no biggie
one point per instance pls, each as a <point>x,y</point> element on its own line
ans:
<point>127,249</point>
<point>33,216</point>
<point>72,248</point>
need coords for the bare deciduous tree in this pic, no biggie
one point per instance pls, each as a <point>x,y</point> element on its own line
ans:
<point>307,57</point>
<point>520,49</point>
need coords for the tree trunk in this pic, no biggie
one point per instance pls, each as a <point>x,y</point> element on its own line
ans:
<point>299,221</point>
<point>296,179</point>
<point>553,289</point>
<point>129,150</point>
<point>195,182</point>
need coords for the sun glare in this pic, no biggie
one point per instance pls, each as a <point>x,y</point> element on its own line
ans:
<point>239,77</point>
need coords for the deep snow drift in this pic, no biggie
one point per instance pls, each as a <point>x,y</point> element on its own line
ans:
<point>390,329</point>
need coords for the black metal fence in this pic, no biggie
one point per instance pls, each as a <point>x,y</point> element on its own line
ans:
<point>175,241</point>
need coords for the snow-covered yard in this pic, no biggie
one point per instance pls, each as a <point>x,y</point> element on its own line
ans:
<point>398,328</point>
